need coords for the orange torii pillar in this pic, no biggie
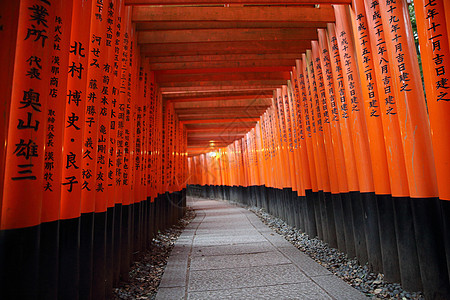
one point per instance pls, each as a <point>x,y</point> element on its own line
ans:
<point>49,246</point>
<point>302,154</point>
<point>360,140</point>
<point>308,159</point>
<point>95,52</point>
<point>377,122</point>
<point>341,223</point>
<point>331,201</point>
<point>70,251</point>
<point>114,173</point>
<point>395,252</point>
<point>25,102</point>
<point>435,49</point>
<point>346,138</point>
<point>417,146</point>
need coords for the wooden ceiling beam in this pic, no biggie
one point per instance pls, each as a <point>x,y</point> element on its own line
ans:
<point>225,35</point>
<point>234,121</point>
<point>324,13</point>
<point>237,110</point>
<point>224,103</point>
<point>218,88</point>
<point>176,25</point>
<point>162,79</point>
<point>233,66</point>
<point>227,69</point>
<point>218,48</point>
<point>215,129</point>
<point>243,2</point>
<point>181,101</point>
<point>233,84</point>
<point>222,58</point>
<point>224,95</point>
<point>220,115</point>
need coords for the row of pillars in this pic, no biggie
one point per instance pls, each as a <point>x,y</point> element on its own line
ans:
<point>352,149</point>
<point>92,164</point>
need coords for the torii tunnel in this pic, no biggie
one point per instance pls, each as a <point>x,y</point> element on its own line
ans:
<point>332,115</point>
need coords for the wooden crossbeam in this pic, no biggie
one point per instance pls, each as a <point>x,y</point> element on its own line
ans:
<point>163,79</point>
<point>219,48</point>
<point>224,103</point>
<point>206,110</point>
<point>224,95</point>
<point>176,25</point>
<point>209,130</point>
<point>287,63</point>
<point>204,2</point>
<point>219,88</point>
<point>236,121</point>
<point>228,35</point>
<point>231,83</point>
<point>233,14</point>
<point>224,58</point>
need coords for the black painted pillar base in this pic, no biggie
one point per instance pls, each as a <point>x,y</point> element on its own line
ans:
<point>48,260</point>
<point>323,216</point>
<point>330,220</point>
<point>431,252</point>
<point>318,214</point>
<point>69,259</point>
<point>117,240</point>
<point>86,259</point>
<point>19,263</point>
<point>370,207</point>
<point>388,241</point>
<point>125,249</point>
<point>348,224</point>
<point>137,221</point>
<point>406,244</point>
<point>358,228</point>
<point>99,256</point>
<point>339,222</point>
<point>445,208</point>
<point>109,270</point>
<point>311,198</point>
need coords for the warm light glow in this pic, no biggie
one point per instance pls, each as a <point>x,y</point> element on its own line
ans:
<point>212,154</point>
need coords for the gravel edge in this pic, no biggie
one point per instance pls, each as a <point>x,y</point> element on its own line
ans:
<point>372,285</point>
<point>149,265</point>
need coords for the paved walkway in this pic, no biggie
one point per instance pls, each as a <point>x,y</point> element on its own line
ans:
<point>226,252</point>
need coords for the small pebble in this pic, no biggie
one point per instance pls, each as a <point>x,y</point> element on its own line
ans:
<point>148,267</point>
<point>348,269</point>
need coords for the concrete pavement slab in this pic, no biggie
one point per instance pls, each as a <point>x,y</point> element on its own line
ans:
<point>226,252</point>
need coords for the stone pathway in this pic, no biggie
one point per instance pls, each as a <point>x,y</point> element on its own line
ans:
<point>226,252</point>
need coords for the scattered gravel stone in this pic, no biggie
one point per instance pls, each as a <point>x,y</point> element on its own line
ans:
<point>148,266</point>
<point>348,269</point>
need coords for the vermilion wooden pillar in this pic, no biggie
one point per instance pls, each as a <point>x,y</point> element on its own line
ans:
<point>299,116</point>
<point>433,25</point>
<point>311,195</point>
<point>365,109</point>
<point>317,144</point>
<point>342,235</point>
<point>53,165</point>
<point>96,53</point>
<point>394,153</point>
<point>417,146</point>
<point>106,142</point>
<point>328,145</point>
<point>342,106</point>
<point>9,22</point>
<point>296,134</point>
<point>68,284</point>
<point>26,101</point>
<point>114,174</point>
